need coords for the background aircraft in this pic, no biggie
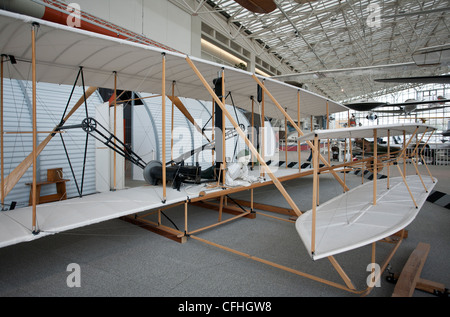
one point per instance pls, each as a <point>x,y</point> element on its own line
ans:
<point>407,107</point>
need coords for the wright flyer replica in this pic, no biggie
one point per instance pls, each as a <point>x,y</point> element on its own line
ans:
<point>55,53</point>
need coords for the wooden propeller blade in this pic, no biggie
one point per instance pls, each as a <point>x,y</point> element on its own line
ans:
<point>258,6</point>
<point>13,178</point>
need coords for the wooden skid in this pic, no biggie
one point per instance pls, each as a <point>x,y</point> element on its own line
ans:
<point>154,228</point>
<point>228,209</point>
<point>410,280</point>
<point>276,209</point>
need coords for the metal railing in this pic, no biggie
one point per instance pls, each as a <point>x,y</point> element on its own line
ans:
<point>435,156</point>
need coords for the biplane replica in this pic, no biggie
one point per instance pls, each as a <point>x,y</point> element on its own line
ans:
<point>57,53</point>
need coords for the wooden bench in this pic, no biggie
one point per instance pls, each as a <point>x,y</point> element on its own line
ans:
<point>410,280</point>
<point>54,176</point>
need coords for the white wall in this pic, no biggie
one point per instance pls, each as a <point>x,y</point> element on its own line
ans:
<point>158,20</point>
<point>51,101</point>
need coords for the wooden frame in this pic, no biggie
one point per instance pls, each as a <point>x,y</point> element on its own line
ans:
<point>34,188</point>
<point>297,128</point>
<point>409,279</point>
<point>222,207</point>
<point>244,137</point>
<point>163,112</point>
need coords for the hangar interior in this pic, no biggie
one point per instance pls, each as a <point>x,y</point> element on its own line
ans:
<point>348,52</point>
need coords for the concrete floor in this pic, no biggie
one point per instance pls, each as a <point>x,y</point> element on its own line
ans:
<point>120,259</point>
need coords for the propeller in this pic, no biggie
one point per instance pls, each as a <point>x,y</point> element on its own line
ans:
<point>258,6</point>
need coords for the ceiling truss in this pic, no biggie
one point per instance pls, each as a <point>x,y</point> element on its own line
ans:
<point>334,34</point>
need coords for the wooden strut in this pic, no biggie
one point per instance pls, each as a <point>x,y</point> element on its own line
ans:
<point>33,48</point>
<point>328,140</point>
<point>285,141</point>
<point>341,272</point>
<point>389,157</point>
<point>171,121</point>
<point>404,150</point>
<point>401,236</point>
<point>414,161</point>
<point>374,245</point>
<point>282,267</point>
<point>244,137</point>
<point>299,146</point>
<point>179,104</point>
<point>253,129</point>
<point>423,159</point>
<point>158,228</point>
<point>115,129</point>
<point>224,128</point>
<point>345,152</point>
<point>29,132</point>
<point>263,130</point>
<point>133,99</point>
<point>260,206</point>
<point>298,129</point>
<point>348,287</point>
<point>404,167</point>
<point>375,166</point>
<point>163,111</point>
<point>212,131</point>
<point>314,194</point>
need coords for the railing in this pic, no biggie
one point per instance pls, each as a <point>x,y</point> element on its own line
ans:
<point>435,156</point>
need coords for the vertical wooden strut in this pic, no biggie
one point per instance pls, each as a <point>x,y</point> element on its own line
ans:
<point>171,124</point>
<point>416,157</point>
<point>253,129</point>
<point>375,166</point>
<point>374,244</point>
<point>363,164</point>
<point>299,148</point>
<point>224,131</point>
<point>345,151</point>
<point>423,159</point>
<point>285,141</point>
<point>404,151</point>
<point>33,49</point>
<point>328,140</point>
<point>389,157</point>
<point>186,217</point>
<point>115,127</point>
<point>403,154</point>
<point>212,131</point>
<point>263,130</point>
<point>244,137</point>
<point>163,110</point>
<point>315,162</point>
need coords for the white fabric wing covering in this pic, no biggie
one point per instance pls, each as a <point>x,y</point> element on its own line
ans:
<point>350,220</point>
<point>61,50</point>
